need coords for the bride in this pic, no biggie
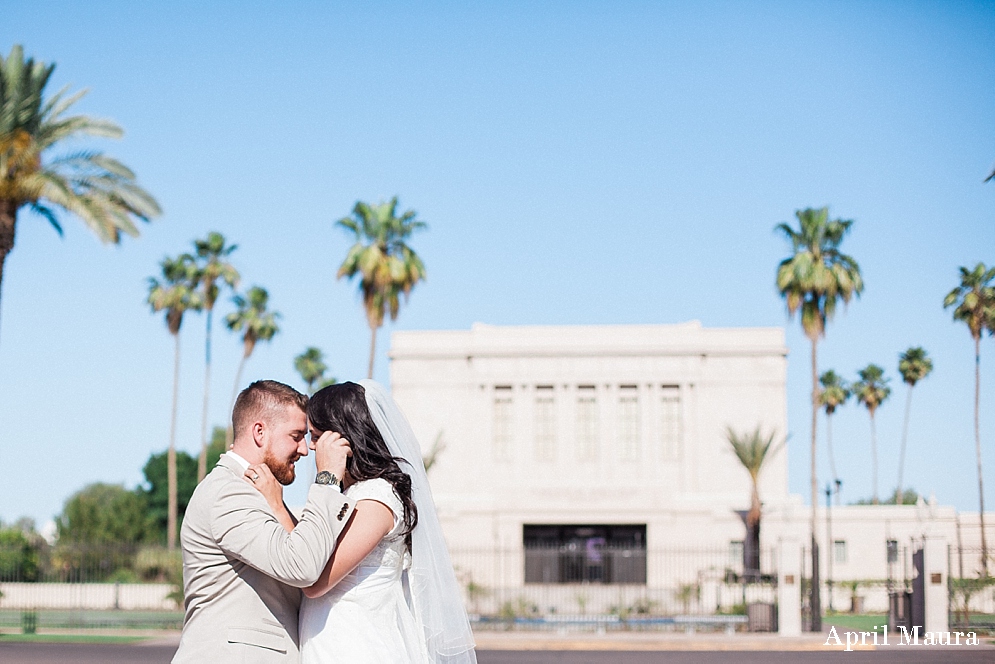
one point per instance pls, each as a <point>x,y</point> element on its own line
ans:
<point>388,593</point>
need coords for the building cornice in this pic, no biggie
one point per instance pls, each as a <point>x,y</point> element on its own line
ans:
<point>569,341</point>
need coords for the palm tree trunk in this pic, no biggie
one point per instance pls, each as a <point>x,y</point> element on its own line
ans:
<point>373,349</point>
<point>977,448</point>
<point>8,219</point>
<point>173,508</point>
<point>230,432</point>
<point>815,602</point>
<point>874,463</point>
<point>829,446</point>
<point>202,459</point>
<point>901,453</point>
<point>752,567</point>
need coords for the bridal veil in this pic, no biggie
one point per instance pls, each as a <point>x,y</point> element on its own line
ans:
<point>435,592</point>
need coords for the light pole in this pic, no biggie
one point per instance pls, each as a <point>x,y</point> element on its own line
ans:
<point>830,545</point>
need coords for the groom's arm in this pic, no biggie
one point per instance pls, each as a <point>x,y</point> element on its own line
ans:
<point>244,528</point>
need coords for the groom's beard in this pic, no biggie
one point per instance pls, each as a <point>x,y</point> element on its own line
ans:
<point>283,471</point>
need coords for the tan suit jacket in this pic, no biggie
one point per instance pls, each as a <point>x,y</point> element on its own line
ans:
<point>242,572</point>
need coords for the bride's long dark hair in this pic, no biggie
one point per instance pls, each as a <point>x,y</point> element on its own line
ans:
<point>342,408</point>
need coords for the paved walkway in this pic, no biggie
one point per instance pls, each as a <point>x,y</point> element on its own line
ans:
<point>567,648</point>
<point>663,642</point>
<point>698,642</point>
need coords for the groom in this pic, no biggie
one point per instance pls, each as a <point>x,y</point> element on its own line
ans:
<point>242,572</point>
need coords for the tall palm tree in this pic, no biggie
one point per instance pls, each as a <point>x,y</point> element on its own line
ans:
<point>872,390</point>
<point>174,295</point>
<point>752,449</point>
<point>914,365</point>
<point>834,393</point>
<point>386,265</point>
<point>213,273</point>
<point>256,323</point>
<point>974,304</point>
<point>813,280</point>
<point>311,366</point>
<point>101,191</point>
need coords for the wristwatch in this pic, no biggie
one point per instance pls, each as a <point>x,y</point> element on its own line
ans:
<point>325,477</point>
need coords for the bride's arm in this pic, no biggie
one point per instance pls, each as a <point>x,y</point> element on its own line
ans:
<point>266,484</point>
<point>370,523</point>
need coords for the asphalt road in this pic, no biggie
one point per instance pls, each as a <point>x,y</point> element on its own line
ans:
<point>58,653</point>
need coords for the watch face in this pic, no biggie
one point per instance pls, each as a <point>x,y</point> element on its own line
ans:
<point>324,477</point>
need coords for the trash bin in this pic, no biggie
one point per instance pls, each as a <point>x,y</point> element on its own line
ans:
<point>761,617</point>
<point>29,622</point>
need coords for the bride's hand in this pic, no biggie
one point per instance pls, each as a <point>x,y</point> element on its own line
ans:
<point>261,477</point>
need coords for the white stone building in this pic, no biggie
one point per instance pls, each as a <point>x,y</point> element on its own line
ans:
<point>611,441</point>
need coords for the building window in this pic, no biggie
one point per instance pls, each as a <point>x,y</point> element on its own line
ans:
<point>736,548</point>
<point>628,422</point>
<point>839,551</point>
<point>502,423</point>
<point>892,549</point>
<point>670,422</point>
<point>587,423</point>
<point>585,554</point>
<point>545,424</point>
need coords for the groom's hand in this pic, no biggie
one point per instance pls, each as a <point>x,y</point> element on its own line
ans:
<point>331,452</point>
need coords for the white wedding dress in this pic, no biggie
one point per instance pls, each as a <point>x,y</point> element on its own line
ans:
<point>366,618</point>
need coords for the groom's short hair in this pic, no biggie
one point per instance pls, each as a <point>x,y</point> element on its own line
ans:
<point>259,398</point>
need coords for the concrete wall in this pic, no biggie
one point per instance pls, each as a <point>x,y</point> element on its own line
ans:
<point>98,596</point>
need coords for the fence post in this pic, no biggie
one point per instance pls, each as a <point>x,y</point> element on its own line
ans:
<point>935,585</point>
<point>789,588</point>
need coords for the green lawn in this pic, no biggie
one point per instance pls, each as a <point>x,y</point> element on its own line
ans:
<point>862,622</point>
<point>68,638</point>
<point>81,619</point>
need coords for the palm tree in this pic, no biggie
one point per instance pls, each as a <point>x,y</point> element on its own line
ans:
<point>175,295</point>
<point>311,366</point>
<point>872,390</point>
<point>213,272</point>
<point>835,392</point>
<point>256,324</point>
<point>914,365</point>
<point>752,449</point>
<point>386,264</point>
<point>813,279</point>
<point>101,191</point>
<point>974,304</point>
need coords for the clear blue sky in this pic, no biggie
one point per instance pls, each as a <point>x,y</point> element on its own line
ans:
<point>578,163</point>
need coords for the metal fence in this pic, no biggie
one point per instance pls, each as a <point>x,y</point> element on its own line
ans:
<point>972,592</point>
<point>86,586</point>
<point>599,588</point>
<point>611,587</point>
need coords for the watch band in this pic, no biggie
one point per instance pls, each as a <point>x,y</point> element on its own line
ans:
<point>325,477</point>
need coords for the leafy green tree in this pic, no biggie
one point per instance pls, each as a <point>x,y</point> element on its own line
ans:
<point>174,295</point>
<point>386,265</point>
<point>20,559</point>
<point>99,530</point>
<point>813,280</point>
<point>103,514</point>
<point>88,184</point>
<point>872,390</point>
<point>909,497</point>
<point>256,323</point>
<point>752,449</point>
<point>974,305</point>
<point>217,447</point>
<point>213,273</point>
<point>156,491</point>
<point>914,365</point>
<point>311,366</point>
<point>834,393</point>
